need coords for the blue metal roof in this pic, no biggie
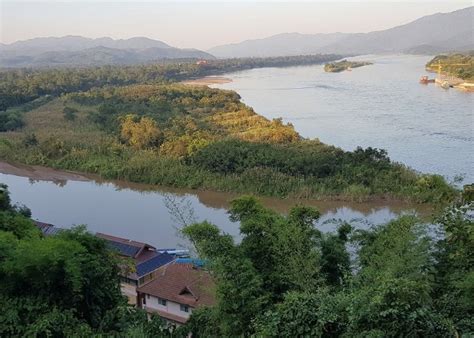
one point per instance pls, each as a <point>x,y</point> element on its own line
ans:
<point>154,263</point>
<point>123,249</point>
<point>195,261</point>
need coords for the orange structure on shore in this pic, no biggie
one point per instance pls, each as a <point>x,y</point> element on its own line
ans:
<point>426,80</point>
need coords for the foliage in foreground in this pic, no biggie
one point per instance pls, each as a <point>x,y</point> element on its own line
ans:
<point>61,286</point>
<point>284,279</point>
<point>287,279</point>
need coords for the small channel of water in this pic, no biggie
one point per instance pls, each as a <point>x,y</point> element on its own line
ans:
<point>142,212</point>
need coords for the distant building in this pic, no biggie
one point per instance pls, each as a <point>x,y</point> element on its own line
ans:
<point>144,261</point>
<point>46,228</point>
<point>140,260</point>
<point>129,248</point>
<point>176,290</point>
<point>201,62</point>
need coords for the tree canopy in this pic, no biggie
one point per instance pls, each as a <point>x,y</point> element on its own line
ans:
<point>285,278</point>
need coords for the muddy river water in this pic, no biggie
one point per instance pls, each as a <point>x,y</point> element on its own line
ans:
<point>154,214</point>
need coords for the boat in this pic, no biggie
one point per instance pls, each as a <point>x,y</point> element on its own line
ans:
<point>445,85</point>
<point>425,80</point>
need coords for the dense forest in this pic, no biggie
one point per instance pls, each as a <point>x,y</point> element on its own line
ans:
<point>285,278</point>
<point>197,137</point>
<point>458,65</point>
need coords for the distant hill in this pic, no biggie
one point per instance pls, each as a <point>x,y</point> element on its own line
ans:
<point>285,44</point>
<point>81,51</point>
<point>433,34</point>
<point>430,34</point>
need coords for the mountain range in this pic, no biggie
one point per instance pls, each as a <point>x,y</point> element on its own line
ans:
<point>432,34</point>
<point>437,33</point>
<point>81,51</point>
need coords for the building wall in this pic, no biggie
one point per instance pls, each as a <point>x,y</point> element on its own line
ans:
<point>171,307</point>
<point>147,278</point>
<point>130,291</point>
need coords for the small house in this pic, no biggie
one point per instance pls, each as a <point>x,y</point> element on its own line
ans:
<point>176,291</point>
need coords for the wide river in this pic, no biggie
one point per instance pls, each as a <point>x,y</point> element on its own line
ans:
<point>382,105</point>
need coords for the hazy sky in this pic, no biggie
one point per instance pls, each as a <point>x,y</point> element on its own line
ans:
<point>205,24</point>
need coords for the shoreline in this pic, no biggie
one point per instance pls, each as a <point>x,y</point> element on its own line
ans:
<point>213,198</point>
<point>214,182</point>
<point>456,82</point>
<point>41,173</point>
<point>207,81</point>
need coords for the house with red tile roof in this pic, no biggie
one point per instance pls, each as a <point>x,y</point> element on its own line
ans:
<point>176,291</point>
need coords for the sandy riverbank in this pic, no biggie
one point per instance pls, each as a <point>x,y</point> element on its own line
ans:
<point>207,80</point>
<point>41,173</point>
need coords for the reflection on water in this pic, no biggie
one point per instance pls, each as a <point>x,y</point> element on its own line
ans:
<point>142,212</point>
<point>382,106</point>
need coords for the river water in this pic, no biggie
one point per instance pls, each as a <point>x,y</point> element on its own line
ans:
<point>147,213</point>
<point>381,105</point>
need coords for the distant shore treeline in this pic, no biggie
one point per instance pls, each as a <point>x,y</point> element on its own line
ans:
<point>20,86</point>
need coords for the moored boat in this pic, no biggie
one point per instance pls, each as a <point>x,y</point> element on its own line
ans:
<point>425,80</point>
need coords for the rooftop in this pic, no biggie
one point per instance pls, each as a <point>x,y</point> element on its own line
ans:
<point>146,257</point>
<point>154,263</point>
<point>128,247</point>
<point>46,228</point>
<point>184,284</point>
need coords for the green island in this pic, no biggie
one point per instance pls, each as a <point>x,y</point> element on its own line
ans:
<point>140,124</point>
<point>459,65</point>
<point>336,67</point>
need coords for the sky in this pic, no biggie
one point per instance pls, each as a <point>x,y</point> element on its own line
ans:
<point>197,24</point>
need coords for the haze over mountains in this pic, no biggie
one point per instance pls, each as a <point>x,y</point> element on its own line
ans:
<point>437,33</point>
<point>81,51</point>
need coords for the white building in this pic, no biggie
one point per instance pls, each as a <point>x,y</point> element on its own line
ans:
<point>176,291</point>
